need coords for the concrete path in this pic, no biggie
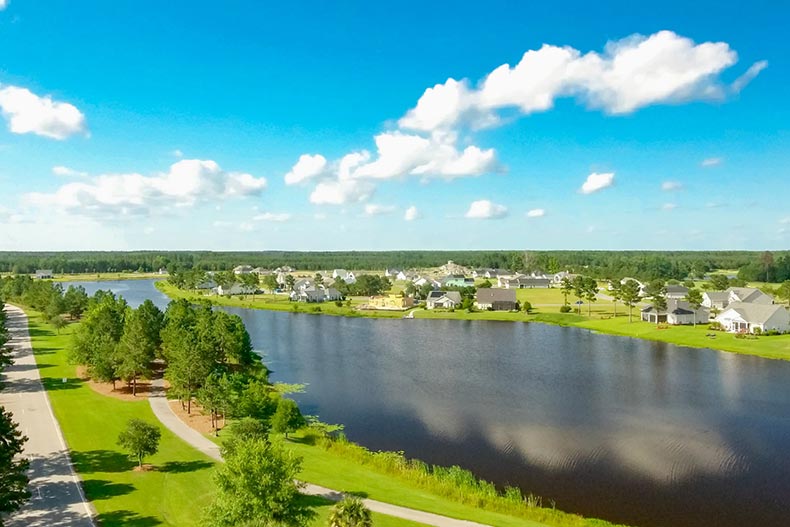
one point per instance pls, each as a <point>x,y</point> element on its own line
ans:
<point>57,497</point>
<point>174,423</point>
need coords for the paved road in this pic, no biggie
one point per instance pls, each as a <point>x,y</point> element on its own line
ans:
<point>57,497</point>
<point>168,418</point>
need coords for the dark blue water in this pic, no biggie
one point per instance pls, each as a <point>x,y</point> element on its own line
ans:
<point>632,431</point>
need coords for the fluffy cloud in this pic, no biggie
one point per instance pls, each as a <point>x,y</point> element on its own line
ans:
<point>596,182</point>
<point>711,162</point>
<point>485,210</point>
<point>372,209</point>
<point>307,168</point>
<point>411,214</point>
<point>669,186</point>
<point>536,213</point>
<point>631,73</point>
<point>187,183</point>
<point>278,217</point>
<point>341,192</point>
<point>26,113</point>
<point>3,4</point>
<point>68,172</point>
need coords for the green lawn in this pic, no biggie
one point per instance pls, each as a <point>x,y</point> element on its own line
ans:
<point>104,277</point>
<point>91,423</point>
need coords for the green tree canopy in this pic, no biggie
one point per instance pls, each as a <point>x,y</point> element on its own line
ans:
<point>350,512</point>
<point>141,439</point>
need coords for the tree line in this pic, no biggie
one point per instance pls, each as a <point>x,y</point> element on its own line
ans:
<point>644,265</point>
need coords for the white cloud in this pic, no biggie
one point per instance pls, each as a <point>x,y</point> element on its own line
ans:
<point>711,162</point>
<point>62,171</point>
<point>669,186</point>
<point>3,4</point>
<point>411,214</point>
<point>485,210</point>
<point>308,167</point>
<point>341,192</point>
<point>187,183</point>
<point>596,182</point>
<point>272,216</point>
<point>754,70</point>
<point>26,113</point>
<point>668,206</point>
<point>536,213</point>
<point>372,209</point>
<point>401,154</point>
<point>177,153</point>
<point>631,73</point>
<point>785,220</point>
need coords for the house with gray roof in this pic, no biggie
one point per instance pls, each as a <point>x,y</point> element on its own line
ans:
<point>525,282</point>
<point>496,299</point>
<point>748,295</point>
<point>744,317</point>
<point>43,274</point>
<point>678,312</point>
<point>443,299</point>
<point>677,291</point>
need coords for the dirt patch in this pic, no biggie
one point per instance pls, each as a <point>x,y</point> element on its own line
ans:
<point>145,468</point>
<point>196,420</point>
<point>121,391</point>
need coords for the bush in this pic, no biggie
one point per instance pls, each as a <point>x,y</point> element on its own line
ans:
<point>757,331</point>
<point>565,309</point>
<point>716,326</point>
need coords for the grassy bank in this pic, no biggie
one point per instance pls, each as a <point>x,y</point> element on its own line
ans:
<point>104,277</point>
<point>546,304</point>
<point>122,497</point>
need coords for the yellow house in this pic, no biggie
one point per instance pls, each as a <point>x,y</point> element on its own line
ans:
<point>390,302</point>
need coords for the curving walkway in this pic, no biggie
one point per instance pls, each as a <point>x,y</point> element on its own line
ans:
<point>56,493</point>
<point>168,418</point>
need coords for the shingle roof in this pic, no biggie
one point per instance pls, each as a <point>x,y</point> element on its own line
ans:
<point>754,313</point>
<point>489,296</point>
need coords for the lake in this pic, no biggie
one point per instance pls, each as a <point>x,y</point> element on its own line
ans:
<point>640,432</point>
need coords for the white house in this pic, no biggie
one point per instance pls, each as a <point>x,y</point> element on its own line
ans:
<point>235,289</point>
<point>242,269</point>
<point>347,276</point>
<point>443,299</point>
<point>392,272</point>
<point>747,295</point>
<point>559,277</point>
<point>678,312</point>
<point>743,317</point>
<point>316,294</point>
<point>524,282</point>
<point>422,280</point>
<point>678,292</point>
<point>43,273</point>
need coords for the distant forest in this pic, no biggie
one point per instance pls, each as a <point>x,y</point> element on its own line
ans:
<point>644,265</point>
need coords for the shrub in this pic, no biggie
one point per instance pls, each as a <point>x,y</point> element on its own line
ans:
<point>716,326</point>
<point>565,309</point>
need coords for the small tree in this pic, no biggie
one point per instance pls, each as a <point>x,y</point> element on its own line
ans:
<point>567,288</point>
<point>287,418</point>
<point>270,283</point>
<point>58,323</point>
<point>579,289</point>
<point>616,292</point>
<point>629,294</point>
<point>694,298</point>
<point>526,306</point>
<point>140,439</point>
<point>289,282</point>
<point>784,291</point>
<point>590,293</point>
<point>350,512</point>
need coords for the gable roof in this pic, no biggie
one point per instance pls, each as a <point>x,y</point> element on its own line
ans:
<point>455,296</point>
<point>747,294</point>
<point>489,296</point>
<point>753,313</point>
<point>717,296</point>
<point>674,306</point>
<point>677,289</point>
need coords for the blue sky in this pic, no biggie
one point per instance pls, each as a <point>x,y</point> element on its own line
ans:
<point>307,125</point>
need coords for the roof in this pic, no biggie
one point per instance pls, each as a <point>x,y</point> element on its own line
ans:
<point>674,306</point>
<point>747,294</point>
<point>753,313</point>
<point>489,296</point>
<point>433,295</point>
<point>676,288</point>
<point>717,296</point>
<point>455,296</point>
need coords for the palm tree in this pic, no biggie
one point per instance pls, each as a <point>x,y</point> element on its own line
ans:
<point>350,512</point>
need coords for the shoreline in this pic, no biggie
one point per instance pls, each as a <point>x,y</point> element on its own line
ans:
<point>767,347</point>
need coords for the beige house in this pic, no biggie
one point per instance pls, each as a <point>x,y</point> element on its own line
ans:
<point>743,317</point>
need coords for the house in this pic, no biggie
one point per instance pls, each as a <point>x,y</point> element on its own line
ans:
<point>452,268</point>
<point>525,282</point>
<point>559,277</point>
<point>284,269</point>
<point>347,276</point>
<point>206,284</point>
<point>390,302</point>
<point>316,294</point>
<point>43,273</point>
<point>235,289</point>
<point>747,295</point>
<point>304,283</point>
<point>744,317</point>
<point>422,280</point>
<point>677,291</point>
<point>406,275</point>
<point>443,299</point>
<point>457,281</point>
<point>496,273</point>
<point>678,312</point>
<point>260,271</point>
<point>242,269</point>
<point>392,273</point>
<point>480,273</point>
<point>496,299</point>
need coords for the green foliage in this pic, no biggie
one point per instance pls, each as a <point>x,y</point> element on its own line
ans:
<point>565,309</point>
<point>256,486</point>
<point>350,512</point>
<point>140,439</point>
<point>784,291</point>
<point>58,323</point>
<point>76,301</point>
<point>245,429</point>
<point>287,418</point>
<point>526,306</point>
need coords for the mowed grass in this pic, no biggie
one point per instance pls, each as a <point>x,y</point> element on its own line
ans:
<point>172,494</point>
<point>104,277</point>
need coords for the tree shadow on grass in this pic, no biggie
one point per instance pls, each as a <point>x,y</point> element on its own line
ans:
<point>39,332</point>
<point>100,489</point>
<point>178,467</point>
<point>314,501</point>
<point>101,461</point>
<point>34,386</point>
<point>125,519</point>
